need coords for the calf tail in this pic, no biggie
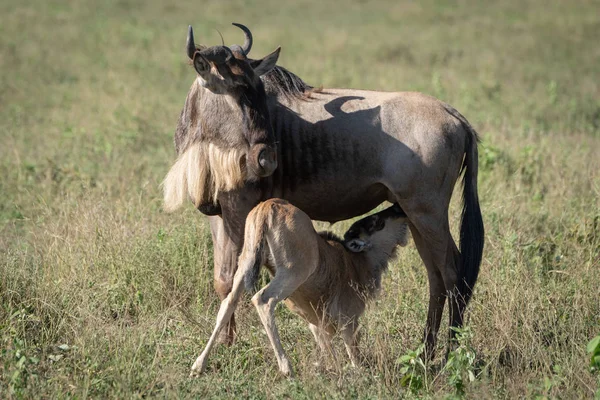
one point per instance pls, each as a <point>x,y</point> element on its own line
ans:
<point>251,258</point>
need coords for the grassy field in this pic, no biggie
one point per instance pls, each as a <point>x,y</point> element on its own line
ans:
<point>102,294</point>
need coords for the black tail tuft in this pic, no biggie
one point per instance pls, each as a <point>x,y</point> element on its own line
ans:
<point>471,229</point>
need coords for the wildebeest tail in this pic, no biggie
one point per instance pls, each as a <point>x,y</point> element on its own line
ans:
<point>471,228</point>
<point>472,231</point>
<point>251,260</point>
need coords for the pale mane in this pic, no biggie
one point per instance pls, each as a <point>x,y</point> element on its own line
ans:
<point>201,172</point>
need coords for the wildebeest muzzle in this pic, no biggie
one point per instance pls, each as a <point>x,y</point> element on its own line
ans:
<point>262,160</point>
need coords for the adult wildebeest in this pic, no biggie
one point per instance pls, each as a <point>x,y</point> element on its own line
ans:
<point>339,153</point>
<point>324,279</point>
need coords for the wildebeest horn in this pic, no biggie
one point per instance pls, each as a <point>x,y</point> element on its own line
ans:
<point>222,40</point>
<point>248,41</point>
<point>191,47</point>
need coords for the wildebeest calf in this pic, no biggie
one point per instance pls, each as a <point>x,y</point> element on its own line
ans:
<point>324,279</point>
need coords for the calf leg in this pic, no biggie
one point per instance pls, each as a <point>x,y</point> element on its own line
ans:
<point>286,281</point>
<point>224,315</point>
<point>228,239</point>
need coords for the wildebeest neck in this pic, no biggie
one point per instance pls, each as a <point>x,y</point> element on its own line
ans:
<point>281,82</point>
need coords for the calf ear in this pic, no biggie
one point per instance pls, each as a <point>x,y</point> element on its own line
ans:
<point>357,245</point>
<point>378,223</point>
<point>398,210</point>
<point>265,65</point>
<point>403,239</point>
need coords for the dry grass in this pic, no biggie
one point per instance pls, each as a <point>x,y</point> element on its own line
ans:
<point>104,295</point>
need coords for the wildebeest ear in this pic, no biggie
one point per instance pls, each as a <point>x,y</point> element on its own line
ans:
<point>200,64</point>
<point>357,245</point>
<point>263,66</point>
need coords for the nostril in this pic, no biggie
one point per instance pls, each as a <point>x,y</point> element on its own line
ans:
<point>265,162</point>
<point>266,158</point>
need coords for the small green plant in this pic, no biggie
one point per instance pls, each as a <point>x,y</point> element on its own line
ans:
<point>460,366</point>
<point>551,385</point>
<point>19,366</point>
<point>413,370</point>
<point>593,349</point>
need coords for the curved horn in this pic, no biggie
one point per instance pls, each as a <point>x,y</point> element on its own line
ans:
<point>191,47</point>
<point>222,41</point>
<point>248,41</point>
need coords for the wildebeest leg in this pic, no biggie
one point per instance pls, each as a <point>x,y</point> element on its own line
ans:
<point>431,244</point>
<point>457,301</point>
<point>228,238</point>
<point>349,335</point>
<point>446,258</point>
<point>224,315</point>
<point>323,340</point>
<point>225,260</point>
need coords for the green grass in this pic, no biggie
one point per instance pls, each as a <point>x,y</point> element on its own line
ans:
<point>104,295</point>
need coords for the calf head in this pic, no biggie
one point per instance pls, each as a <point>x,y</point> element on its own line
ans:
<point>226,71</point>
<point>389,226</point>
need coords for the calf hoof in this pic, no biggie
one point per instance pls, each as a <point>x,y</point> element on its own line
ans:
<point>286,369</point>
<point>198,368</point>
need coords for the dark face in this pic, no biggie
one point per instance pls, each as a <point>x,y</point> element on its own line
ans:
<point>223,71</point>
<point>357,237</point>
<point>229,72</point>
